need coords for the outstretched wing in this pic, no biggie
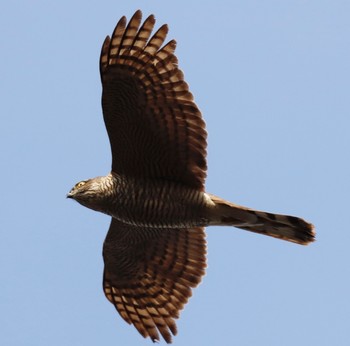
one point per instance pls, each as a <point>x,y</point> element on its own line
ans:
<point>154,127</point>
<point>149,274</point>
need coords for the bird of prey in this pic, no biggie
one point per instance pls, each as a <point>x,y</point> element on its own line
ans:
<point>155,249</point>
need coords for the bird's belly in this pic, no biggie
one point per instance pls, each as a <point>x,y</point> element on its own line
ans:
<point>160,205</point>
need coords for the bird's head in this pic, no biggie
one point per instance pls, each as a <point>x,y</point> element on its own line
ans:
<point>88,192</point>
<point>80,189</point>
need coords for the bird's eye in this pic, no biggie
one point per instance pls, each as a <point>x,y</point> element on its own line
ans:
<point>80,184</point>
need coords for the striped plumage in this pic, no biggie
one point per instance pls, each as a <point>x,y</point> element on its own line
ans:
<point>149,274</point>
<point>148,110</point>
<point>155,249</point>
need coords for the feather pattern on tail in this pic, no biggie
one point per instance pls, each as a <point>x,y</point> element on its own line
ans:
<point>286,227</point>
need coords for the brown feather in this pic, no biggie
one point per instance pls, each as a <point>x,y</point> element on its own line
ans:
<point>155,128</point>
<point>150,282</point>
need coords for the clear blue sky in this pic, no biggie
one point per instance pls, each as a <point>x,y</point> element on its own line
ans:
<point>272,79</point>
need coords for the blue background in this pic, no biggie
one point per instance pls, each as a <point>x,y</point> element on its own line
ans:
<point>272,80</point>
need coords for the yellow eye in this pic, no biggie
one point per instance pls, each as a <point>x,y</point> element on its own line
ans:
<point>80,184</point>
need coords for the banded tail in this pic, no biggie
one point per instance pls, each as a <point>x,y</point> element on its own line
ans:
<point>290,228</point>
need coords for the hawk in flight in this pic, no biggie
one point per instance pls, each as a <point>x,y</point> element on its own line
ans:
<point>155,249</point>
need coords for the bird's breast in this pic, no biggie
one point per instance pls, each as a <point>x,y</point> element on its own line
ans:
<point>157,203</point>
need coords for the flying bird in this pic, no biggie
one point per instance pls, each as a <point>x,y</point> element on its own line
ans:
<point>155,249</point>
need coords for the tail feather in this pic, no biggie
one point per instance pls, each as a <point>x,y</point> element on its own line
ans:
<point>290,228</point>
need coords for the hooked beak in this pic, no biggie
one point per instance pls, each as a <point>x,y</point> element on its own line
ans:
<point>69,195</point>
